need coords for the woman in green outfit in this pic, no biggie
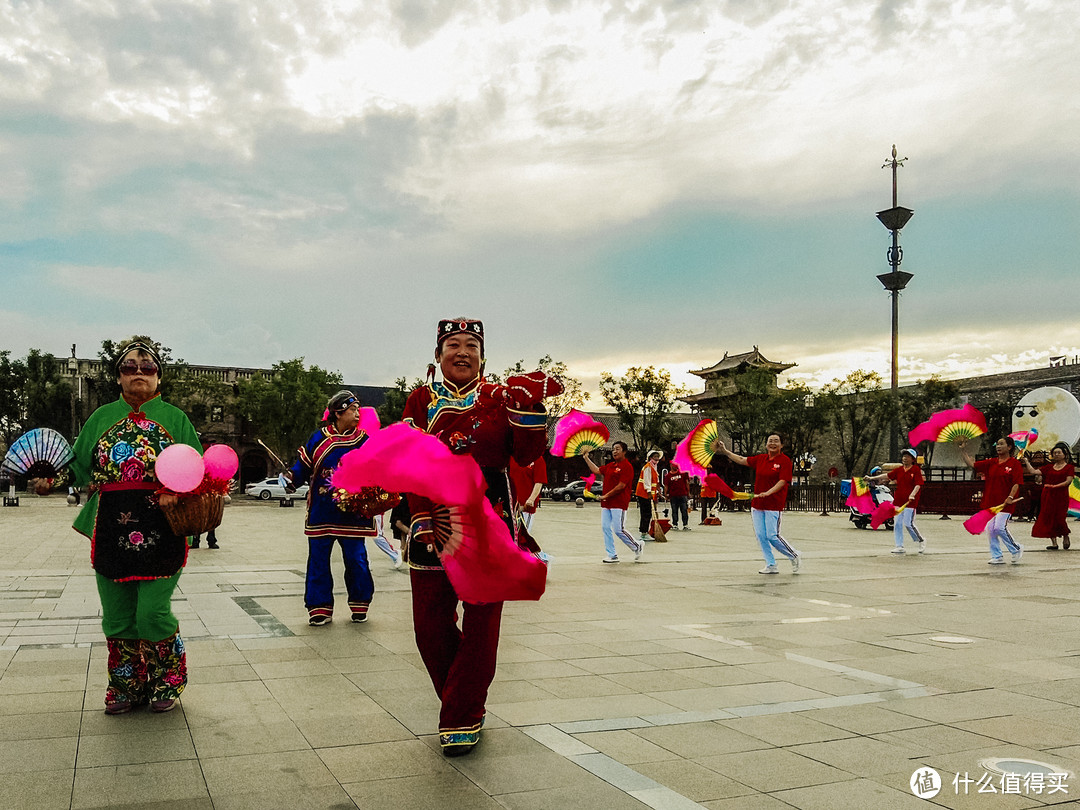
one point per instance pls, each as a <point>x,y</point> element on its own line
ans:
<point>134,552</point>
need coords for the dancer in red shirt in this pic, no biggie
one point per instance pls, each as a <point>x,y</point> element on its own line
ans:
<point>909,481</point>
<point>618,475</point>
<point>1004,475</point>
<point>772,476</point>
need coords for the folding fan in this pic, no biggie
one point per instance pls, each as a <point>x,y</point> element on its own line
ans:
<point>949,426</point>
<point>695,453</point>
<point>577,433</point>
<point>38,453</point>
<point>885,511</point>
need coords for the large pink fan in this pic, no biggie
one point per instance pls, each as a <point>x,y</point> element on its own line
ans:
<point>577,433</point>
<point>978,522</point>
<point>400,458</point>
<point>481,558</point>
<point>885,511</point>
<point>948,426</point>
<point>694,453</point>
<point>369,421</point>
<point>860,498</point>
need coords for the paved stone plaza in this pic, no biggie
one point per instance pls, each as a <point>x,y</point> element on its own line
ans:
<point>686,681</point>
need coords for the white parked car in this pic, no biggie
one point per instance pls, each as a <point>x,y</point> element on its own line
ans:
<point>270,488</point>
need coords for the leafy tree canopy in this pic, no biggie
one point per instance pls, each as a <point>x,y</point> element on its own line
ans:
<point>644,399</point>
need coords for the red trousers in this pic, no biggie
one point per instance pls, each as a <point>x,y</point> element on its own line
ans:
<point>461,662</point>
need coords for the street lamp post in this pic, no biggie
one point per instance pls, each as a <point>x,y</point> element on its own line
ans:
<point>894,219</point>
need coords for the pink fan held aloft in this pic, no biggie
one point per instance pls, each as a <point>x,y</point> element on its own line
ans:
<point>577,433</point>
<point>949,426</point>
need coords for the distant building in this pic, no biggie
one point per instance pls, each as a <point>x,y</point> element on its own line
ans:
<point>720,379</point>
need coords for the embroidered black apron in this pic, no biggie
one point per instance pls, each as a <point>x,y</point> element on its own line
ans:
<point>132,538</point>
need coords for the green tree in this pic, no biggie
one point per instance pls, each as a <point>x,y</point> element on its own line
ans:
<point>392,407</point>
<point>46,395</point>
<point>999,413</point>
<point>572,395</point>
<point>286,406</point>
<point>644,399</point>
<point>798,416</point>
<point>12,386</point>
<point>197,396</point>
<point>747,415</point>
<point>856,409</point>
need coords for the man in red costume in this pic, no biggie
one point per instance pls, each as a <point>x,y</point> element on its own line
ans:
<point>492,424</point>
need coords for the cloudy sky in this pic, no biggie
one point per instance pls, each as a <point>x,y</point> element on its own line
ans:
<point>611,183</point>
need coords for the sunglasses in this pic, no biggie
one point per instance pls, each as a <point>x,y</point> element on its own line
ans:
<point>130,367</point>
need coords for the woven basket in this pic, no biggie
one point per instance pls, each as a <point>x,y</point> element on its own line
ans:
<point>195,514</point>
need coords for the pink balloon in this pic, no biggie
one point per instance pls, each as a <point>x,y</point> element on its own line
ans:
<point>180,467</point>
<point>221,461</point>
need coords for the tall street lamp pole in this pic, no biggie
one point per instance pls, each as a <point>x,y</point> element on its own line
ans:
<point>894,219</point>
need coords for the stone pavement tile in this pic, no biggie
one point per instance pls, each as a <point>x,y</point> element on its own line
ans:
<point>674,660</point>
<point>668,681</point>
<point>416,709</point>
<point>695,740</point>
<point>384,760</point>
<point>316,690</point>
<point>937,739</point>
<point>625,746</point>
<point>868,719</point>
<point>858,794</point>
<point>773,769</point>
<point>334,728</point>
<point>221,674</point>
<point>327,797</point>
<point>509,761</point>
<point>373,663</point>
<point>611,665</point>
<point>555,710</point>
<point>534,670</point>
<point>975,705</point>
<point>1019,730</point>
<point>859,756</point>
<point>785,729</point>
<point>1065,690</point>
<point>380,680</point>
<point>37,789</point>
<point>294,669</point>
<point>598,795</point>
<point>583,686</point>
<point>13,684</point>
<point>138,785</point>
<point>515,692</point>
<point>694,781</point>
<point>755,801</point>
<point>214,652</point>
<point>29,756</point>
<point>271,734</point>
<point>727,675</point>
<point>287,771</point>
<point>722,697</point>
<point>269,643</point>
<point>133,748</point>
<point>40,726</point>
<point>443,790</point>
<point>138,721</point>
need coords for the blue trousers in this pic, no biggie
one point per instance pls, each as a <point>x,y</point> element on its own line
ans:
<point>767,529</point>
<point>998,532</point>
<point>612,524</point>
<point>319,591</point>
<point>906,520</point>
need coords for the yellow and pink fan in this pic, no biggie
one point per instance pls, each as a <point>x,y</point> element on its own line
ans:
<point>577,433</point>
<point>950,426</point>
<point>695,453</point>
<point>1074,497</point>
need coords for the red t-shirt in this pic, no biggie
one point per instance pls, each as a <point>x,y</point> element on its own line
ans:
<point>906,481</point>
<point>1000,477</point>
<point>613,473</point>
<point>525,478</point>
<point>678,484</point>
<point>767,471</point>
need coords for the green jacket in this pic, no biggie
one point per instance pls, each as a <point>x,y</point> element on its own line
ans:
<point>170,420</point>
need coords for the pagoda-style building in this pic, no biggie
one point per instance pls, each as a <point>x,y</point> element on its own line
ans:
<point>720,378</point>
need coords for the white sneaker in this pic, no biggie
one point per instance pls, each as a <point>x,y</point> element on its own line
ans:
<point>686,528</point>
<point>922,546</point>
<point>796,563</point>
<point>995,561</point>
<point>610,559</point>
<point>638,551</point>
<point>1018,554</point>
<point>898,550</point>
<point>769,569</point>
<point>397,561</point>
